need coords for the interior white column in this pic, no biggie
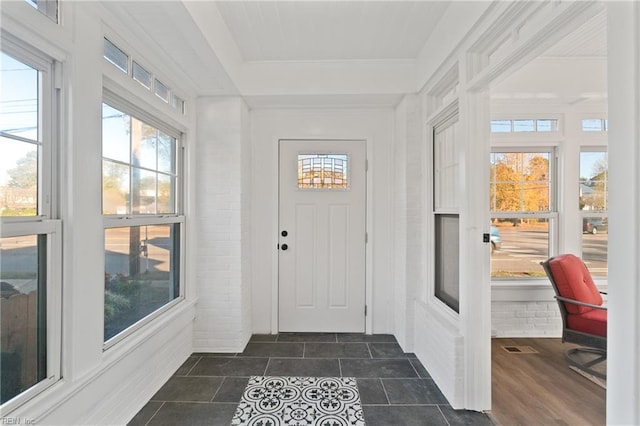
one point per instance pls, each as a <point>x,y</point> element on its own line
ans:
<point>623,366</point>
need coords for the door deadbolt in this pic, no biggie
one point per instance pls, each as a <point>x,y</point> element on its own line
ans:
<point>284,233</point>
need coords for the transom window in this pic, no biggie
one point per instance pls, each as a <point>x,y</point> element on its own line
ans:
<point>544,125</point>
<point>122,61</point>
<point>48,8</point>
<point>595,125</point>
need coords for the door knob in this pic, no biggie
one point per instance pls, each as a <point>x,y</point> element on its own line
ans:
<point>284,246</point>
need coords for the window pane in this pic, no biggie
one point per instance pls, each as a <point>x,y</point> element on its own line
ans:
<point>524,244</point>
<point>166,153</point>
<point>141,75</point>
<point>22,314</point>
<point>143,191</point>
<point>140,151</point>
<point>447,253</point>
<point>547,125</point>
<point>117,57</point>
<point>593,181</point>
<point>595,238</point>
<point>165,189</point>
<point>141,273</point>
<point>177,103</point>
<point>115,188</point>
<point>162,91</point>
<point>18,98</point>
<point>446,169</point>
<point>143,145</point>
<point>592,125</point>
<point>524,126</point>
<point>116,129</point>
<point>323,171</point>
<point>500,126</point>
<point>520,181</point>
<point>18,178</point>
<point>46,7</point>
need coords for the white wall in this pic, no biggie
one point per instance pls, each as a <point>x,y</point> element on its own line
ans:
<point>408,244</point>
<point>222,221</point>
<point>373,125</point>
<point>98,385</point>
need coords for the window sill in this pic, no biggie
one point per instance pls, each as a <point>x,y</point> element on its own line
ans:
<point>531,290</point>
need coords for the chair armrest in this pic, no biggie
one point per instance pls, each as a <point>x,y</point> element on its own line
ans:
<point>577,302</point>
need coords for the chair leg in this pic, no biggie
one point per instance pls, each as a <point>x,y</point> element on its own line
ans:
<point>586,366</point>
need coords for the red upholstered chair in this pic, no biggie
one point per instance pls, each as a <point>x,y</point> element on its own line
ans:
<point>584,317</point>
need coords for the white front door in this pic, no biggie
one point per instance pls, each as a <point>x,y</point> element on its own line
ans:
<point>322,236</point>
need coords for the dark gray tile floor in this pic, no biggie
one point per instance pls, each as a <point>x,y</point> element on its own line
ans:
<point>395,389</point>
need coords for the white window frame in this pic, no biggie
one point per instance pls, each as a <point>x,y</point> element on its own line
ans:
<point>49,8</point>
<point>551,215</point>
<point>46,221</point>
<point>446,120</point>
<point>130,220</point>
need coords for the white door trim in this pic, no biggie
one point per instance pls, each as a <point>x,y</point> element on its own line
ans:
<point>275,158</point>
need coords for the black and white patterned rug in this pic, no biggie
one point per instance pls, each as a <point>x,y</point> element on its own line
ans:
<point>300,401</point>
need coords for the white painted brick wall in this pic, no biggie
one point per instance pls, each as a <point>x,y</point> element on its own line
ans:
<point>408,218</point>
<point>223,311</point>
<point>525,319</point>
<point>445,365</point>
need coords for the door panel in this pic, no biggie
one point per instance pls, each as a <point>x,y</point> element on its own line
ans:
<point>322,253</point>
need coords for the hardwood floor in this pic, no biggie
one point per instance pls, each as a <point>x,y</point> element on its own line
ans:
<point>540,388</point>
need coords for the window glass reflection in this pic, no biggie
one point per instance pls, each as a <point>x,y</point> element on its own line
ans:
<point>141,273</point>
<point>22,314</point>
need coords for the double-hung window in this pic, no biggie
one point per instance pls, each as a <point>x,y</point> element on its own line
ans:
<point>143,221</point>
<point>523,210</point>
<point>30,232</point>
<point>446,211</point>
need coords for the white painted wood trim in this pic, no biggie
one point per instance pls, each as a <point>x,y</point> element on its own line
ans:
<point>623,367</point>
<point>59,403</point>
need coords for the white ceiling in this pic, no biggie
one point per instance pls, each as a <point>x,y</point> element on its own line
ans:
<point>330,30</point>
<point>589,40</point>
<point>349,51</point>
<point>572,72</point>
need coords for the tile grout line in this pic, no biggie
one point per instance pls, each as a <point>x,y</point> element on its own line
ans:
<point>415,369</point>
<point>369,349</point>
<point>443,416</point>
<point>384,389</point>
<point>224,379</point>
<point>266,366</point>
<point>154,414</point>
<point>194,366</point>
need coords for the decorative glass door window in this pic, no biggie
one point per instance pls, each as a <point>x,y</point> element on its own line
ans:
<point>323,171</point>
